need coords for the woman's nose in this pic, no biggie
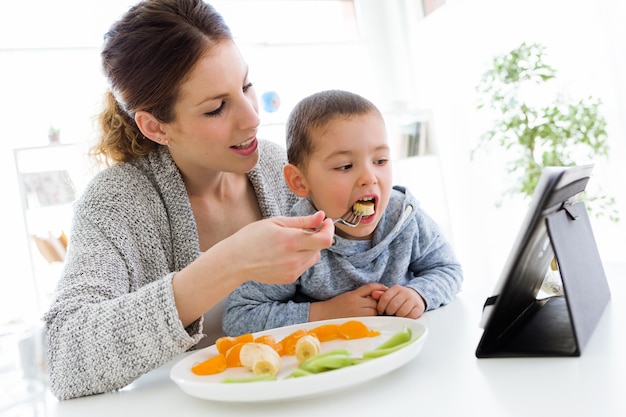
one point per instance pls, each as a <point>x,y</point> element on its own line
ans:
<point>249,116</point>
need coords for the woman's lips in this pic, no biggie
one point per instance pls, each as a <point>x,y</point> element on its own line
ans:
<point>246,148</point>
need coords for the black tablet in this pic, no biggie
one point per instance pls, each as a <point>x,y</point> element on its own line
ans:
<point>516,320</point>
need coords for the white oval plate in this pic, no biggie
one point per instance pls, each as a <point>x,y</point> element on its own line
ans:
<point>211,387</point>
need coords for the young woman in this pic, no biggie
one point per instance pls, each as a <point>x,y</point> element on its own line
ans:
<point>175,222</point>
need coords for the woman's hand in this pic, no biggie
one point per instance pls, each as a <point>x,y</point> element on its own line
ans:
<point>400,301</point>
<point>277,250</point>
<point>272,251</point>
<point>359,302</point>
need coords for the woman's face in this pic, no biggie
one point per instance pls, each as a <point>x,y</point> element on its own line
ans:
<point>216,116</point>
<point>350,162</point>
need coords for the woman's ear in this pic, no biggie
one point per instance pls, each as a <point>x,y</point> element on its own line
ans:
<point>150,127</point>
<point>296,181</point>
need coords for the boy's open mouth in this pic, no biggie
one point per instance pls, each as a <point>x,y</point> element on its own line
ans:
<point>364,207</point>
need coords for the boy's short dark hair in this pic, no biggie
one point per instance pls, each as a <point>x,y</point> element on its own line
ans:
<point>316,111</point>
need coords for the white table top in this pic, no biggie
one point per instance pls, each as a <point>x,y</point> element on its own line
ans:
<point>445,379</point>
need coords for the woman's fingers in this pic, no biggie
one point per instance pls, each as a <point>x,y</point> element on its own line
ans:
<point>302,222</point>
<point>321,239</point>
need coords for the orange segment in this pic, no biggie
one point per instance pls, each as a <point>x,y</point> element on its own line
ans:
<point>211,366</point>
<point>224,343</point>
<point>269,340</point>
<point>289,342</point>
<point>244,338</point>
<point>326,332</point>
<point>354,329</point>
<point>278,347</point>
<point>232,355</point>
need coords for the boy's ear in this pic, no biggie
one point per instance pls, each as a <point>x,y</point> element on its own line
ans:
<point>296,180</point>
<point>150,127</point>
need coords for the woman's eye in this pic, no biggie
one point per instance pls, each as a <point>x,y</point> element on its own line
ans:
<point>247,87</point>
<point>215,112</point>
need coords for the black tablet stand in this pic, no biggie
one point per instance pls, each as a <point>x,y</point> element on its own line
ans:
<point>559,325</point>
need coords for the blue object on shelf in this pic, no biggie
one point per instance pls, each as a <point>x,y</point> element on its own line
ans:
<point>271,101</point>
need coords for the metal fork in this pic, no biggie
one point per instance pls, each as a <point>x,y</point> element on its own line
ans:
<point>349,219</point>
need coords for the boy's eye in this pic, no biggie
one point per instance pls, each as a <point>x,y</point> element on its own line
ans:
<point>247,87</point>
<point>344,167</point>
<point>381,161</point>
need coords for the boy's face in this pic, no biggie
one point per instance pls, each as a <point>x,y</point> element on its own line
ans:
<point>350,162</point>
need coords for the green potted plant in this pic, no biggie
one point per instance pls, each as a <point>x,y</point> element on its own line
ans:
<point>54,135</point>
<point>564,132</point>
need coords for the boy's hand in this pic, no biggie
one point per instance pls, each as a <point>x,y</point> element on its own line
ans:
<point>400,301</point>
<point>356,303</point>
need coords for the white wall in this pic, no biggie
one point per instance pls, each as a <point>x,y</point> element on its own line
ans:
<point>50,75</point>
<point>586,43</point>
<point>451,48</point>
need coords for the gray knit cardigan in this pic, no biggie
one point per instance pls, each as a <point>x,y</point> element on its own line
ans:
<point>113,316</point>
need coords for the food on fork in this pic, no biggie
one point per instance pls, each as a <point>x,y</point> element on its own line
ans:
<point>363,208</point>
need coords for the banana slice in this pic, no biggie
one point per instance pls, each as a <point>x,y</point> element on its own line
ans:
<point>260,358</point>
<point>266,366</point>
<point>307,347</point>
<point>363,208</point>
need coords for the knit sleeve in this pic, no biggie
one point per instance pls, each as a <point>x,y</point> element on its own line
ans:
<point>113,317</point>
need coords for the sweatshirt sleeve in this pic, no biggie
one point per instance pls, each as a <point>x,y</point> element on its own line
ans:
<point>435,271</point>
<point>253,307</point>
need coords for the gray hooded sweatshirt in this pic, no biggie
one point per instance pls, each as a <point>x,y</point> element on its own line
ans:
<point>407,248</point>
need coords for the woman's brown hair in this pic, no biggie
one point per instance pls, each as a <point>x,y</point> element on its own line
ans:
<point>146,56</point>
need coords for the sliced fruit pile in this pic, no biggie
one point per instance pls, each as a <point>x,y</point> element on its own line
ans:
<point>262,355</point>
<point>229,347</point>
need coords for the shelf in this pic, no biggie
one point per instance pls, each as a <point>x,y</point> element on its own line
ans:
<point>50,179</point>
